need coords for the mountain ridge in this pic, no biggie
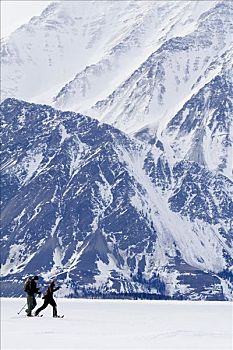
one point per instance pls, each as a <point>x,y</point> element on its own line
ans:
<point>90,180</point>
<point>124,75</point>
<point>139,200</point>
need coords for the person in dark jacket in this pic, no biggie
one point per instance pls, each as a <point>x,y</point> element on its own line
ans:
<point>48,299</point>
<point>31,289</point>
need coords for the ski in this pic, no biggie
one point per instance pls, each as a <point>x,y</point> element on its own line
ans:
<point>59,316</point>
<point>34,316</point>
<point>37,316</point>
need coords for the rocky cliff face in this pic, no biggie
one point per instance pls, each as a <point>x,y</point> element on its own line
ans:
<point>85,203</point>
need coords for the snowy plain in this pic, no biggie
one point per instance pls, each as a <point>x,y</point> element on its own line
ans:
<point>119,324</point>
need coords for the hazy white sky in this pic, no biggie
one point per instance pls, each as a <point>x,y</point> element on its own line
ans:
<point>17,12</point>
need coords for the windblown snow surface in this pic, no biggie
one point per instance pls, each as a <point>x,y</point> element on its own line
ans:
<point>111,324</point>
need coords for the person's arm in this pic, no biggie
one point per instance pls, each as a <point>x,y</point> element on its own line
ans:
<point>37,289</point>
<point>34,288</point>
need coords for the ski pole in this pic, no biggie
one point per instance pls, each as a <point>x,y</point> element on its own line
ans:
<point>21,309</point>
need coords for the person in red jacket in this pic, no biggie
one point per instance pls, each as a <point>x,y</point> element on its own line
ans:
<point>48,299</point>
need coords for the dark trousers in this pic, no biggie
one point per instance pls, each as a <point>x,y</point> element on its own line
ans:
<point>48,301</point>
<point>31,301</point>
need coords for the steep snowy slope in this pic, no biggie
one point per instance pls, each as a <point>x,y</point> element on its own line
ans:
<point>171,74</point>
<point>84,202</point>
<point>66,38</point>
<point>91,41</point>
<point>158,22</point>
<point>202,130</point>
<point>70,37</point>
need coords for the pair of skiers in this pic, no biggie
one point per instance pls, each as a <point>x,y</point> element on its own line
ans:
<point>31,289</point>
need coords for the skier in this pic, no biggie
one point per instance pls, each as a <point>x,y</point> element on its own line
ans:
<point>31,289</point>
<point>48,299</point>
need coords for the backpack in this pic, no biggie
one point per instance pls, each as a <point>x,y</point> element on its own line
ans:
<point>27,285</point>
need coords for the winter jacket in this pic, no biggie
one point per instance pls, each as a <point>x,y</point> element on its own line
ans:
<point>33,288</point>
<point>49,293</point>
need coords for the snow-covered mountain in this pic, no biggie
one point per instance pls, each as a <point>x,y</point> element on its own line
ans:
<point>145,209</point>
<point>202,130</point>
<point>92,41</point>
<point>84,202</point>
<point>135,65</point>
<point>179,68</point>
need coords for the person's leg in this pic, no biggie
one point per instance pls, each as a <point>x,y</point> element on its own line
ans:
<point>54,305</point>
<point>26,310</point>
<point>34,303</point>
<point>42,307</point>
<point>30,305</point>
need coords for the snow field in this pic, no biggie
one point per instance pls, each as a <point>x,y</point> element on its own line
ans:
<point>119,324</point>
